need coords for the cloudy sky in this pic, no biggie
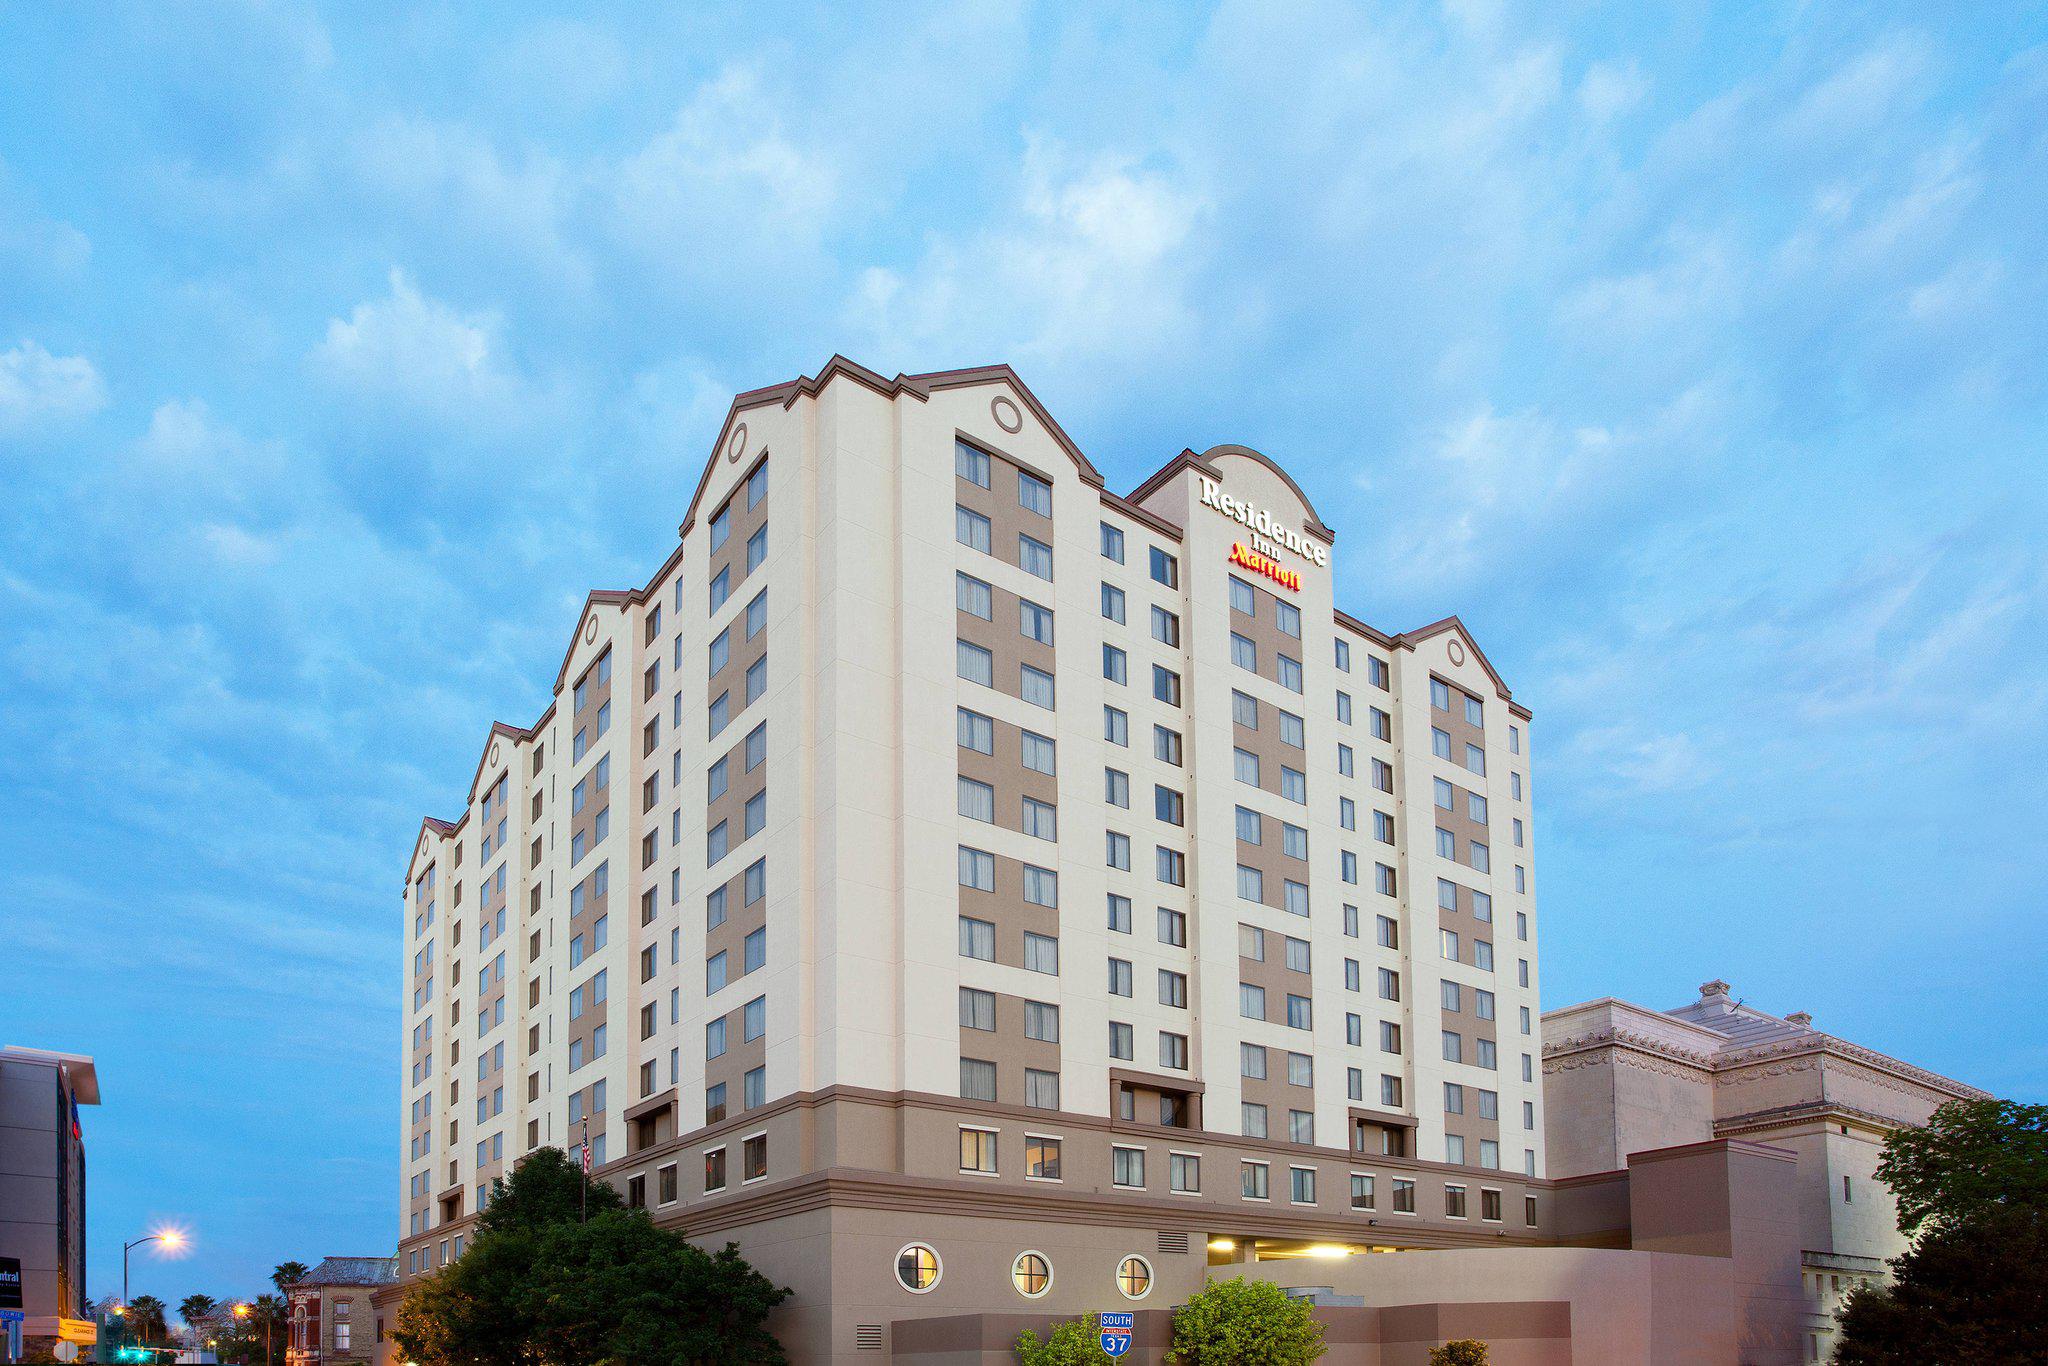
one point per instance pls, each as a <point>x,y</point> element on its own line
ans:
<point>1694,357</point>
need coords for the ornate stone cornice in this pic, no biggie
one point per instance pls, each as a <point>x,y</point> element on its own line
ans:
<point>1937,1085</point>
<point>1766,1059</point>
<point>1735,1126</point>
<point>1625,1039</point>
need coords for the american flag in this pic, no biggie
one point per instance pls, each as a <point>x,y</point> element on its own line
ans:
<point>586,1147</point>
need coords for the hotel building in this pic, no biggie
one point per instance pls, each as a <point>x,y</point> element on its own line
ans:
<point>42,1195</point>
<point>967,887</point>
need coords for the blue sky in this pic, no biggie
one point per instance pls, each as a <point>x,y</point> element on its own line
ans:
<point>1691,353</point>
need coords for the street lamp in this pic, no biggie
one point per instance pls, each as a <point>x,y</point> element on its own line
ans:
<point>172,1239</point>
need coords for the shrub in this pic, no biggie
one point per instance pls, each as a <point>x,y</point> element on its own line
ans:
<point>1077,1342</point>
<point>1245,1323</point>
<point>1463,1352</point>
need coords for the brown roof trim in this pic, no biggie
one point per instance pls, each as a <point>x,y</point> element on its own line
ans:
<point>513,733</point>
<point>920,387</point>
<point>1408,640</point>
<point>607,597</point>
<point>1372,633</point>
<point>1138,514</point>
<point>1205,462</point>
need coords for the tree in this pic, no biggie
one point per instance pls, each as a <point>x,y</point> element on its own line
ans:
<point>538,1284</point>
<point>195,1310</point>
<point>1463,1352</point>
<point>1077,1342</point>
<point>1972,1155</point>
<point>618,1289</point>
<point>546,1188</point>
<point>287,1275</point>
<point>1973,1290</point>
<point>1245,1323</point>
<point>146,1319</point>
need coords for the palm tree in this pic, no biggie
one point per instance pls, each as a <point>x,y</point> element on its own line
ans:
<point>194,1310</point>
<point>270,1315</point>
<point>287,1275</point>
<point>146,1318</point>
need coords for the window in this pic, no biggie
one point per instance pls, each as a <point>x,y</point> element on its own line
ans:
<point>1034,621</point>
<point>1040,819</point>
<point>1166,745</point>
<point>977,1009</point>
<point>1251,1061</point>
<point>1121,1039</point>
<point>970,464</point>
<point>1041,1089</point>
<point>1288,617</point>
<point>1041,954</point>
<point>1127,1166</point>
<point>1120,979</point>
<point>1119,913</point>
<point>1034,494</point>
<point>1034,557</point>
<point>1245,766</point>
<point>1113,603</point>
<point>1116,788</point>
<point>1251,1119</point>
<point>1173,1053</point>
<point>1454,1202</point>
<point>1165,685</point>
<point>1035,686</point>
<point>1252,1180</point>
<point>1173,988</point>
<point>1134,1274</point>
<point>1404,1196</point>
<point>1251,1001</point>
<point>1243,653</point>
<point>1173,928</point>
<point>1031,1273</point>
<point>977,732</point>
<point>977,939</point>
<point>977,869</point>
<point>1168,805</point>
<point>1165,627</point>
<point>917,1266</point>
<point>977,1079</point>
<point>1361,1191</point>
<point>1116,726</point>
<point>970,595</point>
<point>1165,569</point>
<point>1041,1158</point>
<point>976,665</point>
<point>971,529</point>
<point>1250,827</point>
<point>1112,543</point>
<point>1302,1185</point>
<point>1298,1012</point>
<point>1041,886</point>
<point>1290,672</point>
<point>1041,1021</point>
<point>1117,850</point>
<point>978,1151</point>
<point>1170,866</point>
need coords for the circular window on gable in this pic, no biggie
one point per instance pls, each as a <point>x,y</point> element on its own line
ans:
<point>917,1268</point>
<point>1134,1277</point>
<point>1031,1273</point>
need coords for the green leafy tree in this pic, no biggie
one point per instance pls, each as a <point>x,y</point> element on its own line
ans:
<point>1973,1290</point>
<point>547,1187</point>
<point>1077,1342</point>
<point>196,1310</point>
<point>288,1274</point>
<point>1245,1323</point>
<point>618,1289</point>
<point>540,1285</point>
<point>1972,1155</point>
<point>1463,1352</point>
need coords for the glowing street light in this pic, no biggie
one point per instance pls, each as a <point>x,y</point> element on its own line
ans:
<point>170,1239</point>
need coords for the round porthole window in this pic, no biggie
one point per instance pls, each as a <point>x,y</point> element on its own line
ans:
<point>1032,1274</point>
<point>917,1268</point>
<point>1134,1277</point>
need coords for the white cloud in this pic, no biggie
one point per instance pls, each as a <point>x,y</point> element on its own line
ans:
<point>724,184</point>
<point>419,355</point>
<point>39,390</point>
<point>1090,260</point>
<point>1611,89</point>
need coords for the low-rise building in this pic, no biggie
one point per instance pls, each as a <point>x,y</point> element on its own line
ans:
<point>333,1321</point>
<point>1622,1079</point>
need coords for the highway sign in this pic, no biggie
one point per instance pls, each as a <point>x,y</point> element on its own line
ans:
<point>1116,1333</point>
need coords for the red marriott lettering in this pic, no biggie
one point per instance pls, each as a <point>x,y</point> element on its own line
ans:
<point>1244,556</point>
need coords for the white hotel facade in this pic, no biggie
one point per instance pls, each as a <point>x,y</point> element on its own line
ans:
<point>974,891</point>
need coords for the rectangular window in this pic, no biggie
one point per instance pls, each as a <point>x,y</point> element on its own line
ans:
<point>1116,787</point>
<point>1041,1158</point>
<point>1165,627</point>
<point>1361,1191</point>
<point>1041,954</point>
<point>971,529</point>
<point>970,595</point>
<point>977,1146</point>
<point>976,664</point>
<point>977,1079</point>
<point>977,1009</point>
<point>1034,622</point>
<point>1034,557</point>
<point>970,464</point>
<point>1035,686</point>
<point>1127,1167</point>
<point>1186,1173</point>
<point>1116,665</point>
<point>1165,569</point>
<point>1041,1089</point>
<point>1252,1180</point>
<point>1113,603</point>
<point>977,939</point>
<point>1034,494</point>
<point>976,732</point>
<point>1116,726</point>
<point>1302,1185</point>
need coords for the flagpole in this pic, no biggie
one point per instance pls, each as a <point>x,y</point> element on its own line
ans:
<point>583,1187</point>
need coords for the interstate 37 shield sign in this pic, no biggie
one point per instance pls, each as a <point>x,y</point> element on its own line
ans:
<point>1116,1333</point>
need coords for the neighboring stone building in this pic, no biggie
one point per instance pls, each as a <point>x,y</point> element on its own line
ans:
<point>1620,1079</point>
<point>332,1319</point>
